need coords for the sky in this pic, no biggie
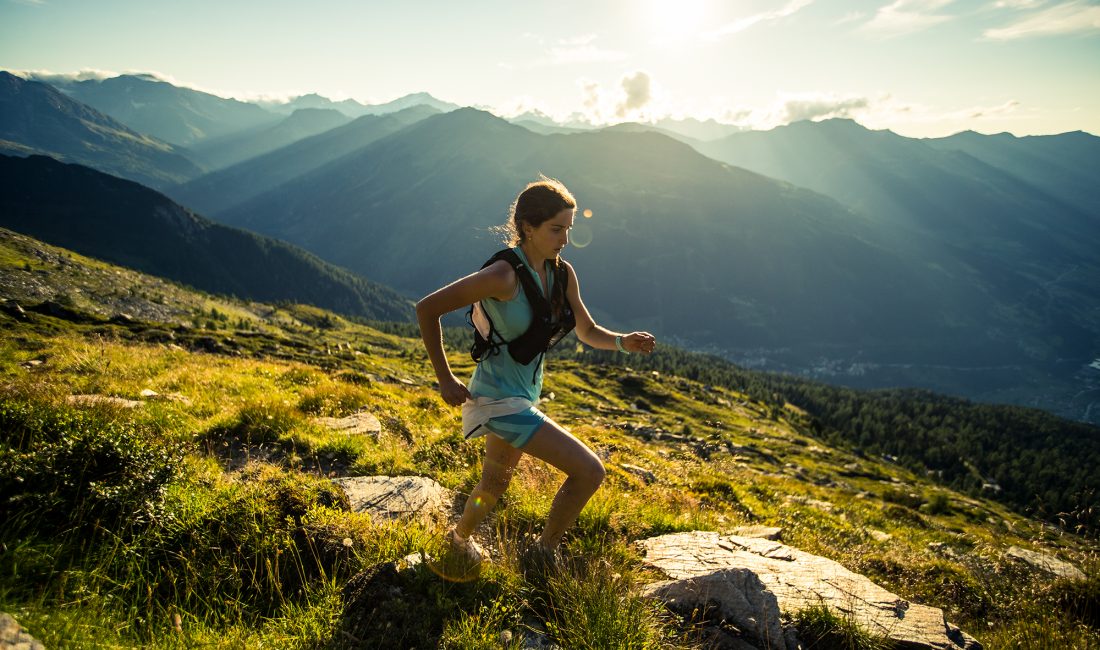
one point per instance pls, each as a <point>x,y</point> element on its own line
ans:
<point>921,68</point>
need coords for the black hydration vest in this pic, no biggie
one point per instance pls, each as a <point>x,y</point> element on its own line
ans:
<point>543,332</point>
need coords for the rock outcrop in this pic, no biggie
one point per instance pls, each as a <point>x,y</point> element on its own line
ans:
<point>1045,563</point>
<point>754,582</point>
<point>387,498</point>
<point>14,637</point>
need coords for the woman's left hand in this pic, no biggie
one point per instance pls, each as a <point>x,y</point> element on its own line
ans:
<point>639,342</point>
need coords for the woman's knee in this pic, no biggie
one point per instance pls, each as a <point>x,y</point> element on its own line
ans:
<point>592,474</point>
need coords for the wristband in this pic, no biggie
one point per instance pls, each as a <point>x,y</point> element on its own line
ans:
<point>619,343</point>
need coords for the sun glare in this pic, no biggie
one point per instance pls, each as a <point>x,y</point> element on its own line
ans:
<point>675,21</point>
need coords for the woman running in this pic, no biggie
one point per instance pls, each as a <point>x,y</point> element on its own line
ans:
<point>517,319</point>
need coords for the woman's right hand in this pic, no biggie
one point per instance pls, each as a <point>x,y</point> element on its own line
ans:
<point>453,391</point>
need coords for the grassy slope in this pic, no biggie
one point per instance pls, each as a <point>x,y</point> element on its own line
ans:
<point>249,557</point>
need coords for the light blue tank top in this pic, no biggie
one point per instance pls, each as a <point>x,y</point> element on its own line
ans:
<point>500,375</point>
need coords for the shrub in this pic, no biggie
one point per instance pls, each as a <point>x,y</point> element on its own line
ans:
<point>938,504</point>
<point>335,400</point>
<point>79,469</point>
<point>259,423</point>
<point>238,549</point>
<point>1079,598</point>
<point>901,497</point>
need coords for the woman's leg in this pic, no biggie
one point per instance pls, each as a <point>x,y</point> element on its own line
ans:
<point>496,473</point>
<point>584,473</point>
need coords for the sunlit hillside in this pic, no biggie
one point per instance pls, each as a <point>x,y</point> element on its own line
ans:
<point>165,482</point>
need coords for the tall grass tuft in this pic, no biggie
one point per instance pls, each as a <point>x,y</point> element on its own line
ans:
<point>823,629</point>
<point>591,604</point>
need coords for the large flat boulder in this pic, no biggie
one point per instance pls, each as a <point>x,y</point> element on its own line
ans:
<point>387,498</point>
<point>715,566</point>
<point>1046,563</point>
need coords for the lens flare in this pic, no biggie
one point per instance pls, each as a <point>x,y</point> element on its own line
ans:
<point>587,213</point>
<point>581,235</point>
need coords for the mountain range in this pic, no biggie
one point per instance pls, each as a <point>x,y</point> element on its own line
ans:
<point>123,222</point>
<point>37,119</point>
<point>218,153</point>
<point>181,116</point>
<point>352,108</point>
<point>987,291</point>
<point>964,264</point>
<point>226,188</point>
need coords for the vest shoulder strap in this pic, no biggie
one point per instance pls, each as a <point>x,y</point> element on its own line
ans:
<point>538,302</point>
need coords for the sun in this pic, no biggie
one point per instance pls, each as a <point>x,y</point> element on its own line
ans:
<point>676,21</point>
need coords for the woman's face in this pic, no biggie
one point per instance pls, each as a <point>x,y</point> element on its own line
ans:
<point>552,235</point>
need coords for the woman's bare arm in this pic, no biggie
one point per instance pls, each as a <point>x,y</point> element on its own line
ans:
<point>593,334</point>
<point>497,280</point>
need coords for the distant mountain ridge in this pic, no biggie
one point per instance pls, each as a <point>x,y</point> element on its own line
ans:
<point>1067,165</point>
<point>219,153</point>
<point>124,223</point>
<point>225,188</point>
<point>352,108</point>
<point>181,116</point>
<point>35,118</point>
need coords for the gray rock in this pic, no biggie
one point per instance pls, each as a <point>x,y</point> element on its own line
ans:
<point>739,598</point>
<point>641,472</point>
<point>95,400</point>
<point>361,423</point>
<point>14,637</point>
<point>799,580</point>
<point>763,532</point>
<point>387,498</point>
<point>533,637</point>
<point>1045,563</point>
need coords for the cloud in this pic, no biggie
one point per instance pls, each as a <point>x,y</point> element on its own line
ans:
<point>637,90</point>
<point>990,111</point>
<point>1064,18</point>
<point>46,76</point>
<point>632,99</point>
<point>821,107</point>
<point>1017,4</point>
<point>906,16</point>
<point>742,24</point>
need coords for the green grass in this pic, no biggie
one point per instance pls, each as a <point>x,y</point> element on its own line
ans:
<point>822,628</point>
<point>208,518</point>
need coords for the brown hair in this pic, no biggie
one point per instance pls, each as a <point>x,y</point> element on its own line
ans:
<point>538,202</point>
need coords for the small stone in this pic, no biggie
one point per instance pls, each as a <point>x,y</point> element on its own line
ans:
<point>148,393</point>
<point>880,536</point>
<point>92,400</point>
<point>361,423</point>
<point>641,472</point>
